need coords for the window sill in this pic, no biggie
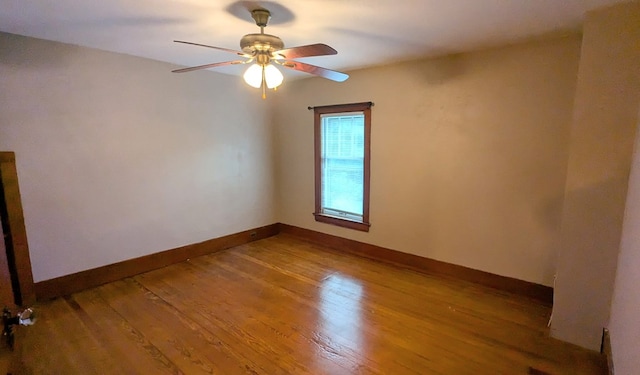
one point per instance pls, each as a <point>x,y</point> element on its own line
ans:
<point>357,225</point>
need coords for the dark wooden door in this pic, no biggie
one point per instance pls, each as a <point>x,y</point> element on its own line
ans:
<point>15,251</point>
<point>6,290</point>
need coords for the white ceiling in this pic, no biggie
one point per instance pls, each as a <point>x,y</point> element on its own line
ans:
<point>364,32</point>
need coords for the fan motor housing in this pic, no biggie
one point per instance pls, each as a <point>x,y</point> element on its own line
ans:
<point>251,43</point>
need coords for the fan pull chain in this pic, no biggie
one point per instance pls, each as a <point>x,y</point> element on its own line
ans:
<point>264,84</point>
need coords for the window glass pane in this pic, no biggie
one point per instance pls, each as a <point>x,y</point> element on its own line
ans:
<point>342,158</point>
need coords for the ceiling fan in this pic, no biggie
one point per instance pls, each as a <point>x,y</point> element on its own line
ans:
<point>266,50</point>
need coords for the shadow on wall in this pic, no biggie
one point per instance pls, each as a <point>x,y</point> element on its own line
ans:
<point>549,213</point>
<point>439,71</point>
<point>549,216</point>
<point>593,217</point>
<point>23,52</point>
<point>591,234</point>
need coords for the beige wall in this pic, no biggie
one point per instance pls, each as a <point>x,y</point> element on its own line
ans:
<point>118,158</point>
<point>469,155</point>
<point>603,131</point>
<point>624,327</point>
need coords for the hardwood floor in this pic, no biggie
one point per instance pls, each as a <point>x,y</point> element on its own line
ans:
<point>285,306</point>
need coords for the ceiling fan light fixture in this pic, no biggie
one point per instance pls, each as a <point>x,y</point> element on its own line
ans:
<point>262,51</point>
<point>268,75</point>
<point>253,76</point>
<point>272,76</point>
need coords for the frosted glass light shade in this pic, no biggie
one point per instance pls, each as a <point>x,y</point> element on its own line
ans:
<point>257,75</point>
<point>253,76</point>
<point>272,76</point>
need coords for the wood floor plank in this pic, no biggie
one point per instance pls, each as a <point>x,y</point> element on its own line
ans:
<point>438,285</point>
<point>403,336</point>
<point>282,305</point>
<point>52,323</point>
<point>192,351</point>
<point>532,346</point>
<point>326,343</point>
<point>218,312</point>
<point>125,342</point>
<point>236,307</point>
<point>447,304</point>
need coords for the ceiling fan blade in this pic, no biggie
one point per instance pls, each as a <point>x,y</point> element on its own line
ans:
<point>184,70</point>
<point>218,48</point>
<point>318,49</point>
<point>316,70</point>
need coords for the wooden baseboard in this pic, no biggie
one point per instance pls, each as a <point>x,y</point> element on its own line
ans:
<point>76,282</point>
<point>532,290</point>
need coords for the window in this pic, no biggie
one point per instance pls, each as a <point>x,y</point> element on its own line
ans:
<point>342,160</point>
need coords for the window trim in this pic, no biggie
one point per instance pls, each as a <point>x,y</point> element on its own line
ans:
<point>365,108</point>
